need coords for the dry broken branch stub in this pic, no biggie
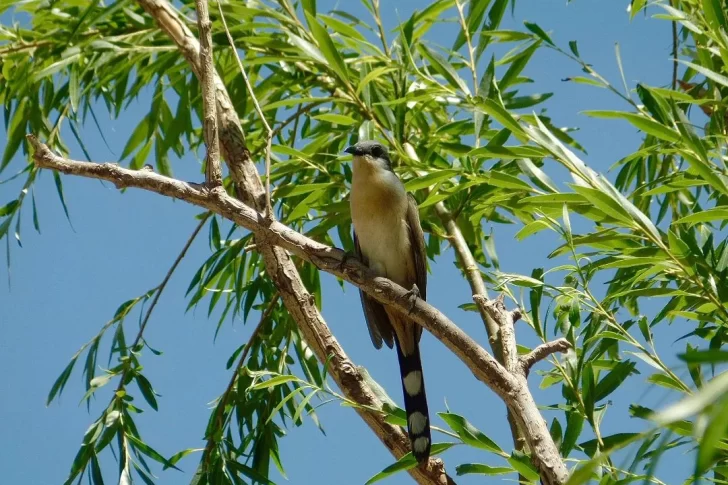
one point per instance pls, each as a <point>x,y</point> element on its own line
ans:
<point>511,387</point>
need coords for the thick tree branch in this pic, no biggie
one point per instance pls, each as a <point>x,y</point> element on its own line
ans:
<point>279,266</point>
<point>213,172</point>
<point>511,387</point>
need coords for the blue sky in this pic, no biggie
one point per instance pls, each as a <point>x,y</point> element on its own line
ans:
<point>68,281</point>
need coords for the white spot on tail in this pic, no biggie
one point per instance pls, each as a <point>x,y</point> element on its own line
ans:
<point>413,382</point>
<point>420,445</point>
<point>417,422</point>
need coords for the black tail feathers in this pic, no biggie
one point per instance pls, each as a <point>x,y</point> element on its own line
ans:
<point>415,403</point>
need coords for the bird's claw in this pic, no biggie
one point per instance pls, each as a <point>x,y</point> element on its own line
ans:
<point>412,296</point>
<point>344,259</point>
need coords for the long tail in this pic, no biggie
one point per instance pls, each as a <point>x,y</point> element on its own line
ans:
<point>415,402</point>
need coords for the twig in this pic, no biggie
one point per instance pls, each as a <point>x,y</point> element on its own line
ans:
<point>541,352</point>
<point>471,54</point>
<point>160,288</point>
<point>268,131</point>
<point>378,20</point>
<point>220,410</point>
<point>167,277</point>
<point>213,172</point>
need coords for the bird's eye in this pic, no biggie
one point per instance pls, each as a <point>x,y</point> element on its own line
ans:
<point>377,152</point>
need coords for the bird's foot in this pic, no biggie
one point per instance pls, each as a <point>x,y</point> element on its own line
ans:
<point>344,259</point>
<point>412,296</point>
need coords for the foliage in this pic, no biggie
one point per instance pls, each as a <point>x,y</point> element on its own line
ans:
<point>324,80</point>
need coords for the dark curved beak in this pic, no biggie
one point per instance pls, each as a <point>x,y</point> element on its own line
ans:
<point>351,149</point>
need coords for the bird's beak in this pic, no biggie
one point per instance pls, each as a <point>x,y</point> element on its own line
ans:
<point>351,150</point>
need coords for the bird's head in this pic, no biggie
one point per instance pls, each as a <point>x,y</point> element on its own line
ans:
<point>370,154</point>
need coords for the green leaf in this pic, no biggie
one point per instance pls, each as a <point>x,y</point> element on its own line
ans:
<point>503,180</point>
<point>648,125</point>
<point>499,113</point>
<point>16,132</point>
<point>539,32</point>
<point>586,80</point>
<point>605,203</point>
<point>712,356</point>
<point>714,214</point>
<point>8,208</point>
<point>677,247</point>
<point>710,444</point>
<point>430,179</point>
<point>336,119</point>
<point>665,381</point>
<point>613,379</point>
<point>60,382</point>
<point>73,88</point>
<point>713,391</point>
<point>147,450</point>
<point>138,136</point>
<point>179,455</point>
<point>146,388</point>
<point>615,441</point>
<point>407,462</point>
<point>308,48</point>
<point>719,78</point>
<point>532,228</point>
<point>329,50</point>
<point>480,469</point>
<point>523,466</point>
<point>574,48</point>
<point>507,153</point>
<point>442,67</point>
<point>55,67</point>
<point>470,434</point>
<point>274,381</point>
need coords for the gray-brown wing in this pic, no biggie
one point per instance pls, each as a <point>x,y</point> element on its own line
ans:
<point>377,319</point>
<point>419,252</point>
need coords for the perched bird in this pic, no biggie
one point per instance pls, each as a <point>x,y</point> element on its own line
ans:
<point>388,239</point>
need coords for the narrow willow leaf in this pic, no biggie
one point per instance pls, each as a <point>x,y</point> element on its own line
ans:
<point>708,215</point>
<point>613,379</point>
<point>710,444</point>
<point>480,469</point>
<point>274,381</point>
<point>430,179</point>
<point>443,67</point>
<point>328,49</point>
<point>712,356</point>
<point>407,462</point>
<point>470,434</point>
<point>539,32</point>
<point>695,403</point>
<point>712,75</point>
<point>523,466</point>
<point>641,122</point>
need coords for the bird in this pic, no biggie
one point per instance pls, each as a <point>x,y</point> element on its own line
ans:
<point>388,239</point>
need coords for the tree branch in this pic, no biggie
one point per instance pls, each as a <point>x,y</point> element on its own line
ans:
<point>541,352</point>
<point>213,172</point>
<point>279,266</point>
<point>511,387</point>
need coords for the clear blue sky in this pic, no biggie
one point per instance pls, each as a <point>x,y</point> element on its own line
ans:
<point>67,282</point>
